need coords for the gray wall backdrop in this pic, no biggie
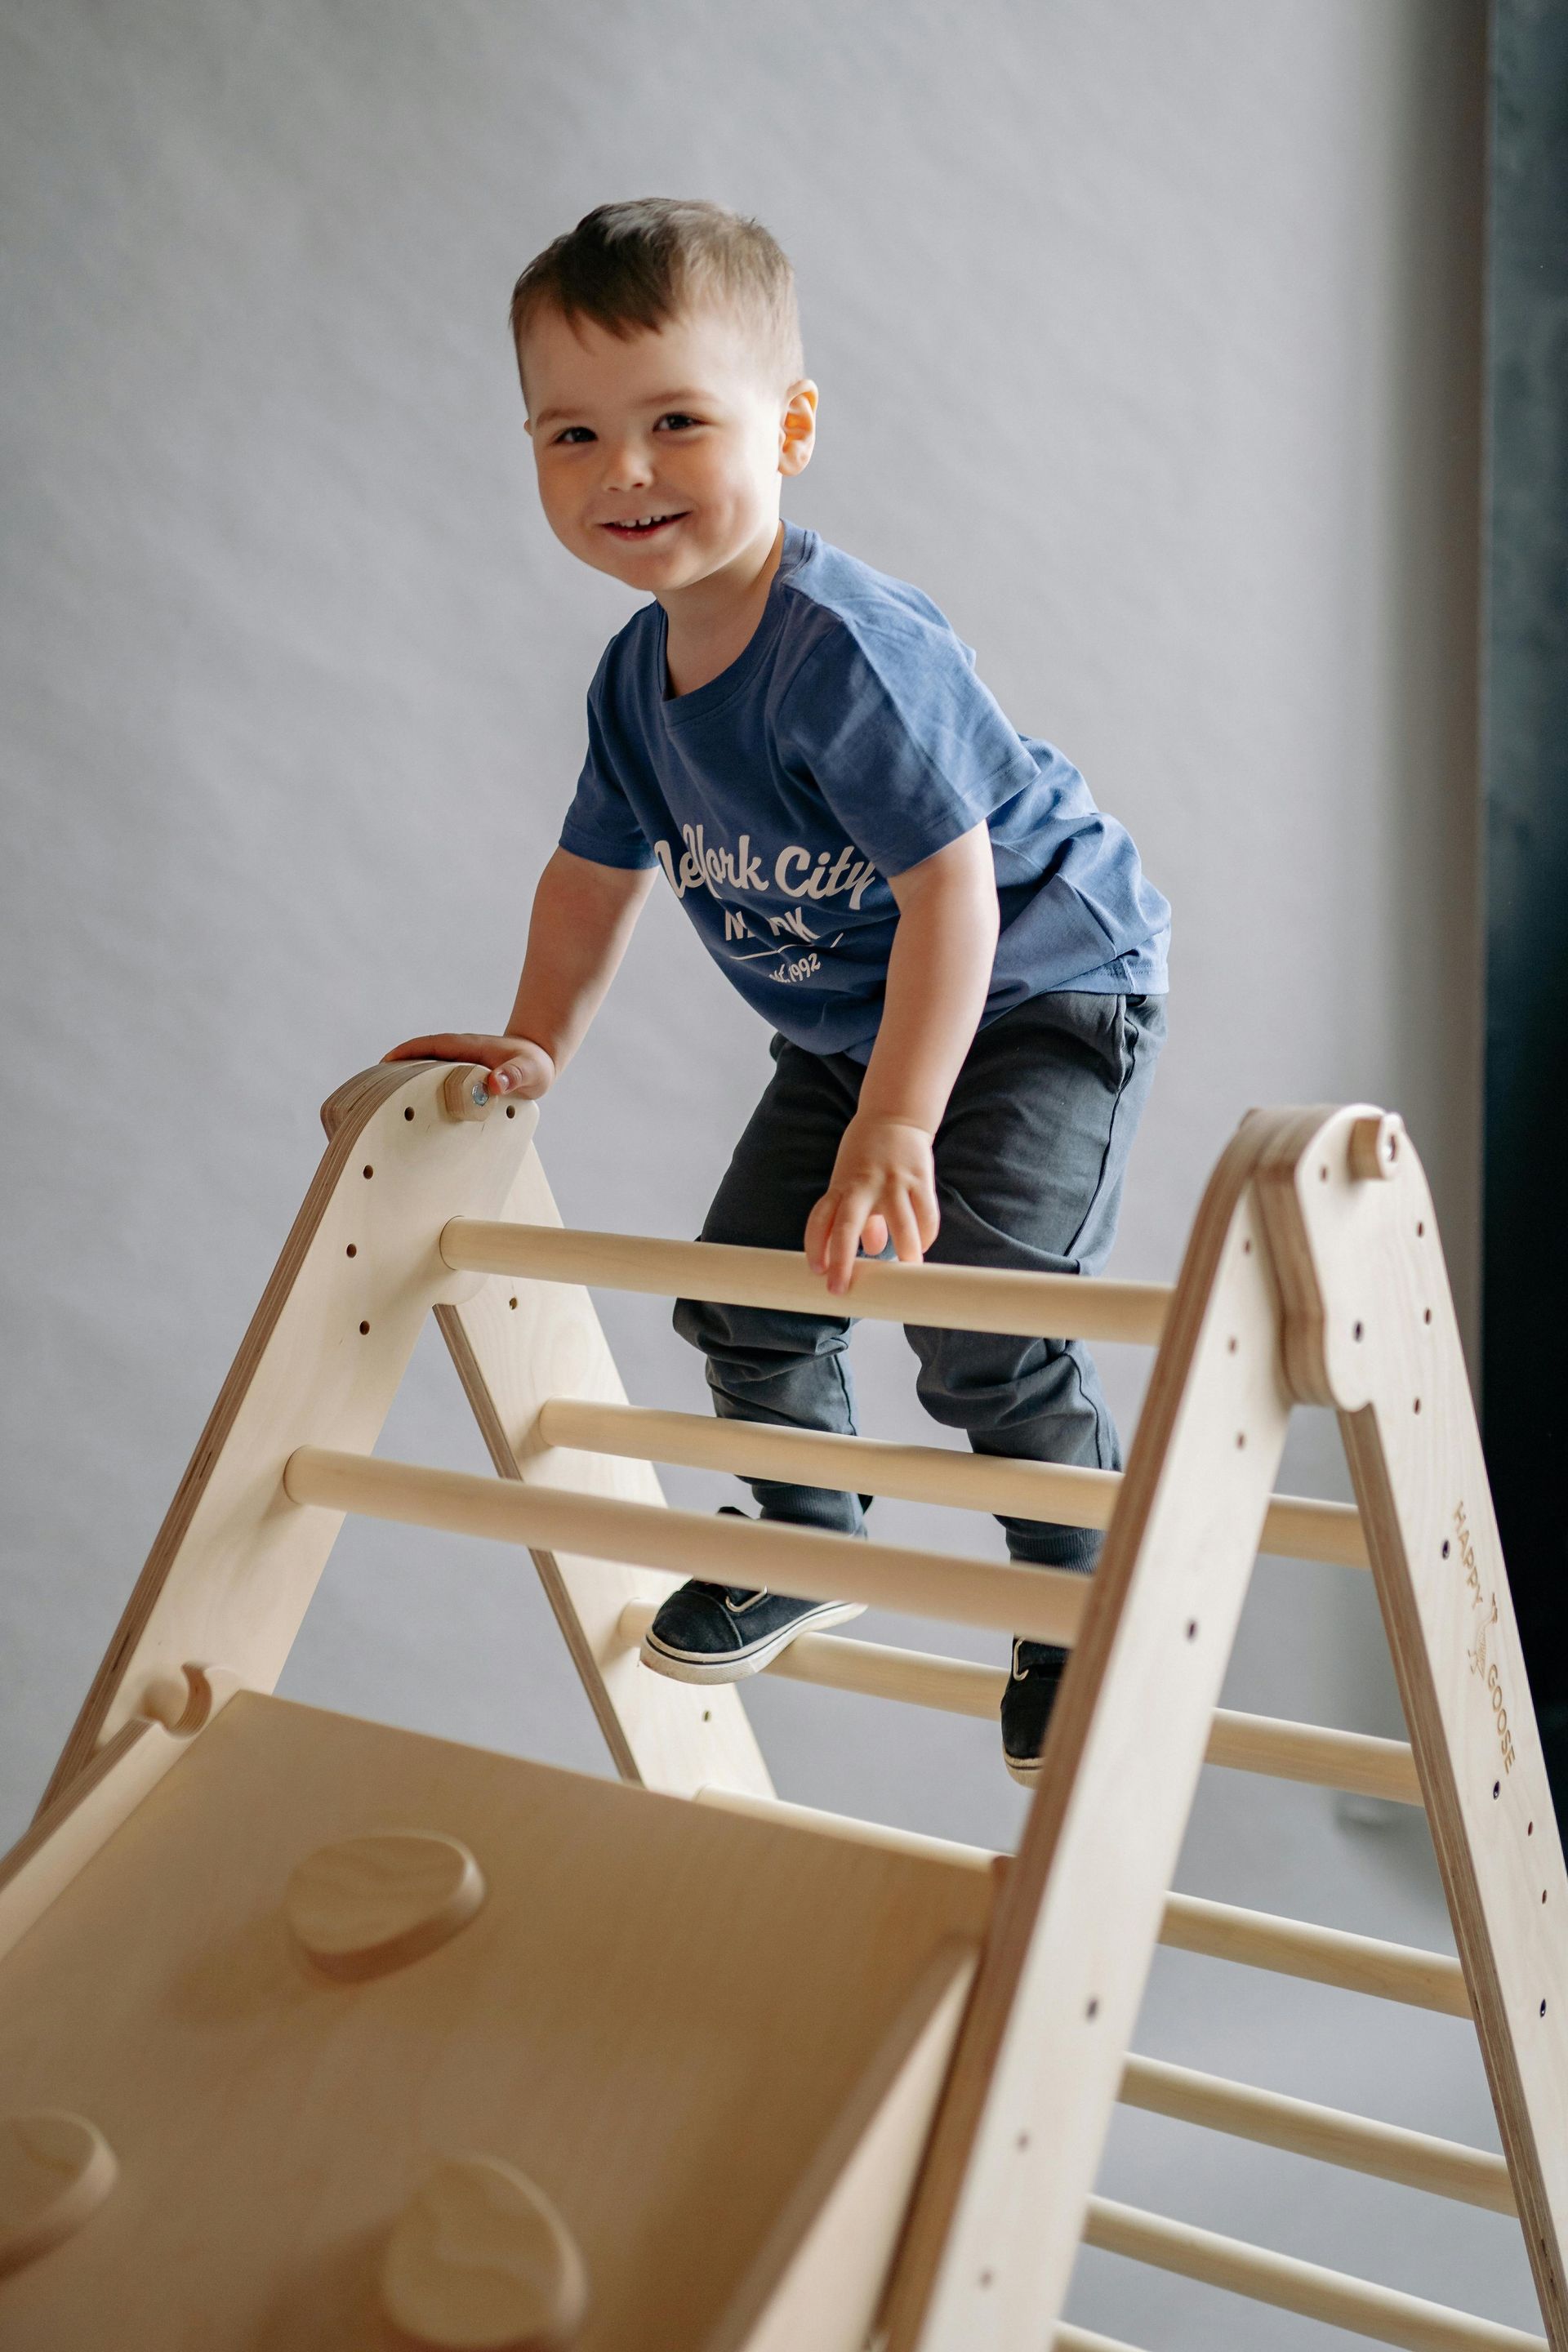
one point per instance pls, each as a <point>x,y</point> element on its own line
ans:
<point>1147,338</point>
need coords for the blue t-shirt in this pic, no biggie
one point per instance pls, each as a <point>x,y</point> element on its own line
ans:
<point>849,741</point>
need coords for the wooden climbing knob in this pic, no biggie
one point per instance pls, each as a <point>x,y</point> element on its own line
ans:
<point>464,1094</point>
<point>54,2172</point>
<point>371,1904</point>
<point>1376,1146</point>
<point>479,2261</point>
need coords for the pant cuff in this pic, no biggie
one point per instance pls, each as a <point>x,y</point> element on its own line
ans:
<point>1037,1546</point>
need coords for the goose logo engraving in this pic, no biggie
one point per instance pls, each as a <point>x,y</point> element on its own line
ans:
<point>1483,1650</point>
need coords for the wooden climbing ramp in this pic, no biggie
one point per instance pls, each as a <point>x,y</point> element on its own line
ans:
<point>318,2033</point>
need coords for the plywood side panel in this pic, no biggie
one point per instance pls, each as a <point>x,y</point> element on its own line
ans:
<point>235,1563</point>
<point>1371,1328</point>
<point>997,2219</point>
<point>820,2276</point>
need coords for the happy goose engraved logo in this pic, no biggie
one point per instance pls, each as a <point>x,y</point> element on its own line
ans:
<point>1485,1617</point>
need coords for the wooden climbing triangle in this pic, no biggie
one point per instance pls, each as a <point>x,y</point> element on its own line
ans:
<point>313,2032</point>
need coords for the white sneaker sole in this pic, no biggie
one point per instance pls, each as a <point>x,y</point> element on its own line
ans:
<point>687,1666</point>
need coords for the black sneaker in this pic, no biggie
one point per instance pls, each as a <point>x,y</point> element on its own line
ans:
<point>1026,1705</point>
<point>723,1633</point>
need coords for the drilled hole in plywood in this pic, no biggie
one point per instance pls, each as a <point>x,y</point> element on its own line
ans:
<point>1417,1406</point>
<point>409,1113</point>
<point>367,1171</point>
<point>1427,1316</point>
<point>511,1302</point>
<point>363,1330</point>
<point>1445,1547</point>
<point>1358,1331</point>
<point>1231,1346</point>
<point>1192,1629</point>
<point>1092,2010</point>
<point>1420,1231</point>
<point>512,1110</point>
<point>1496,1789</point>
<point>352,1250</point>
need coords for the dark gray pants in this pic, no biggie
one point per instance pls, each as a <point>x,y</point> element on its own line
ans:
<point>1030,1158</point>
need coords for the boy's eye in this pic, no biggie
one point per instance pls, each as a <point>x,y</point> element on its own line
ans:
<point>677,421</point>
<point>572,434</point>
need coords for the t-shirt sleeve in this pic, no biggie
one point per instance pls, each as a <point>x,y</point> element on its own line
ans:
<point>601,823</point>
<point>904,743</point>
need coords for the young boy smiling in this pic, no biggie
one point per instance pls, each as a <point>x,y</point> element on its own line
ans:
<point>959,955</point>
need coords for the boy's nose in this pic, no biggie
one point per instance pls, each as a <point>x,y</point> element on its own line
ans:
<point>630,467</point>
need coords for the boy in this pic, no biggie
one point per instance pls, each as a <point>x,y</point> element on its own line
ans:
<point>959,955</point>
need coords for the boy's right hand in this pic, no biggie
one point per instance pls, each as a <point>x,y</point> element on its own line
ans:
<point>516,1064</point>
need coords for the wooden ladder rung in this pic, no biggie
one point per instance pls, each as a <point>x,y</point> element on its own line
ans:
<point>1068,2338</point>
<point>1218,1931</point>
<point>1310,1752</point>
<point>1331,1956</point>
<point>1297,1526</point>
<point>1357,2142</point>
<point>1045,1604</point>
<point>1290,2285</point>
<point>945,1297</point>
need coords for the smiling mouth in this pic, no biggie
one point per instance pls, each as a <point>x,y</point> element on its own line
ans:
<point>643,526</point>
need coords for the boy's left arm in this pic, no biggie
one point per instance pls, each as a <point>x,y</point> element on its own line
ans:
<point>883,1185</point>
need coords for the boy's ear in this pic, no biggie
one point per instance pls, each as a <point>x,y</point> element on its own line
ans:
<point>797,427</point>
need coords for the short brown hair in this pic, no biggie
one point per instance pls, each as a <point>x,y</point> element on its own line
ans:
<point>630,268</point>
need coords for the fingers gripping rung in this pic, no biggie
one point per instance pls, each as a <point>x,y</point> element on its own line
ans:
<point>1306,1752</point>
<point>1069,1494</point>
<point>1358,2305</point>
<point>945,1297</point>
<point>1045,1604</point>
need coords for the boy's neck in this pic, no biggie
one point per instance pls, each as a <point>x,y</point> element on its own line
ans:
<point>711,623</point>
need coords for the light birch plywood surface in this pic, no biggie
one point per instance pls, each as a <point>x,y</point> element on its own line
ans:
<point>660,2015</point>
<point>1370,1327</point>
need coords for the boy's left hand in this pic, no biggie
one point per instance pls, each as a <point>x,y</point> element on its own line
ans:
<point>883,1187</point>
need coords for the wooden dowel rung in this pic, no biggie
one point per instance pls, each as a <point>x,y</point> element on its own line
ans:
<point>1315,1753</point>
<point>870,1669</point>
<point>1331,1956</point>
<point>1219,1930</point>
<point>1068,1493</point>
<point>1068,2338</point>
<point>1045,1604</point>
<point>846,1827</point>
<point>1247,1743</point>
<point>1364,2309</point>
<point>945,1297</point>
<point>1356,2143</point>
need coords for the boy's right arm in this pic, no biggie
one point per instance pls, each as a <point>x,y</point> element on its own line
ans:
<point>583,919</point>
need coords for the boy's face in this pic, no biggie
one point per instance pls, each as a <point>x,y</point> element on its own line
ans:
<point>659,456</point>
